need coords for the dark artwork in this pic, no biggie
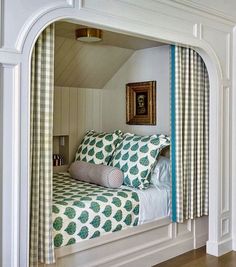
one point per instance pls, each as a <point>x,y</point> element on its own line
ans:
<point>141,103</point>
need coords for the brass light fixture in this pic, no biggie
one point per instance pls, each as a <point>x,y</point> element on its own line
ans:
<point>88,35</point>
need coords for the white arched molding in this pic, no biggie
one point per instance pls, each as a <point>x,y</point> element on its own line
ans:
<point>209,35</point>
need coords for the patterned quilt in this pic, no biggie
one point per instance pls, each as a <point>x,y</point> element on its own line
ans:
<point>83,211</point>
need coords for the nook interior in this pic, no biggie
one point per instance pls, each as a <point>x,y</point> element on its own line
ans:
<point>90,85</point>
<point>90,94</point>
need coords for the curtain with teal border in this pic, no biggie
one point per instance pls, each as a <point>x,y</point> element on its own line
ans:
<point>189,134</point>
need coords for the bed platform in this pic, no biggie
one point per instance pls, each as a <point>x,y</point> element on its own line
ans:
<point>143,245</point>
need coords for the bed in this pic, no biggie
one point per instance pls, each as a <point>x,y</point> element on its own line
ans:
<point>146,241</point>
<point>127,226</point>
<point>83,211</point>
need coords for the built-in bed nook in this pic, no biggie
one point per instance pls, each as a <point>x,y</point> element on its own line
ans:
<point>128,120</point>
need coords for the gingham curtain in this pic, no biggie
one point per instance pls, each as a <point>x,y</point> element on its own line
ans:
<point>190,134</point>
<point>42,86</point>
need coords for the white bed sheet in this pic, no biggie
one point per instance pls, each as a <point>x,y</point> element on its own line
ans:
<point>154,204</point>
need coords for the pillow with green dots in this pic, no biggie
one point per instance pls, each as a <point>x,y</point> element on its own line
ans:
<point>98,148</point>
<point>136,156</point>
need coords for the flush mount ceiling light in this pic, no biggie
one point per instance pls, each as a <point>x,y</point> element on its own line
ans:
<point>88,35</point>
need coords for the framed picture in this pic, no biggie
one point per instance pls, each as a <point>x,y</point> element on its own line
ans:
<point>141,103</point>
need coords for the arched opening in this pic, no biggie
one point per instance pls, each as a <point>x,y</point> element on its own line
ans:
<point>212,68</point>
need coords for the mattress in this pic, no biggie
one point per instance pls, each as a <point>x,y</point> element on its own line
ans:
<point>154,203</point>
<point>84,211</point>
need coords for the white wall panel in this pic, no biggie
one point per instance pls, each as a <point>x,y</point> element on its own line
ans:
<point>76,110</point>
<point>144,65</point>
<point>225,184</point>
<point>57,111</point>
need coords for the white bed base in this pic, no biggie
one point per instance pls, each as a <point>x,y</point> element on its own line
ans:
<point>141,246</point>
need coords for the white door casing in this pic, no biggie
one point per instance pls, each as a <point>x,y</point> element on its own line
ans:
<point>21,23</point>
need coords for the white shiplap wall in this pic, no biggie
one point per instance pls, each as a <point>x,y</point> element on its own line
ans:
<point>76,110</point>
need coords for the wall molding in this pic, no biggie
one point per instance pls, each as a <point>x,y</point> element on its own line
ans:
<point>10,180</point>
<point>32,20</point>
<point>206,10</point>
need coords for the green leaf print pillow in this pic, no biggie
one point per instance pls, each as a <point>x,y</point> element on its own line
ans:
<point>136,156</point>
<point>98,148</point>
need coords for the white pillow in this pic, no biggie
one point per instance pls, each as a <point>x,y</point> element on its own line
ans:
<point>161,177</point>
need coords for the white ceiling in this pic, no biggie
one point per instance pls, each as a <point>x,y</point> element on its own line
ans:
<point>86,65</point>
<point>67,30</point>
<point>91,65</point>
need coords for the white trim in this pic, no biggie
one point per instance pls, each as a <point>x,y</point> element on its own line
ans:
<point>208,11</point>
<point>10,177</point>
<point>234,245</point>
<point>233,150</point>
<point>219,248</point>
<point>144,245</point>
<point>110,238</point>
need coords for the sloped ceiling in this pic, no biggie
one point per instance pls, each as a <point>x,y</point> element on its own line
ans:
<point>87,65</point>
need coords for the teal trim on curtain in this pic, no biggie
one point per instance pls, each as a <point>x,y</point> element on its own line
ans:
<point>173,133</point>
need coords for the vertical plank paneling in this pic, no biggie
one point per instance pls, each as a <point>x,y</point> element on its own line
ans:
<point>57,111</point>
<point>86,65</point>
<point>65,111</point>
<point>73,122</point>
<point>97,109</point>
<point>76,110</point>
<point>81,102</point>
<point>89,109</point>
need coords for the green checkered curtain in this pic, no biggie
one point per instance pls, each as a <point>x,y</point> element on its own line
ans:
<point>190,134</point>
<point>42,87</point>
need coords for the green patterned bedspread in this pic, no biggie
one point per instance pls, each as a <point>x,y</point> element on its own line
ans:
<point>83,211</point>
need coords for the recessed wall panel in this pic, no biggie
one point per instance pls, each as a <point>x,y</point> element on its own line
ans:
<point>225,181</point>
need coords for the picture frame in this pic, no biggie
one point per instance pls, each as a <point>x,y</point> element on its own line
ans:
<point>141,103</point>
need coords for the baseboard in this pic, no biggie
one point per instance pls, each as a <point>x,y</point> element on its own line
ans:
<point>219,248</point>
<point>234,244</point>
<point>153,256</point>
<point>200,241</point>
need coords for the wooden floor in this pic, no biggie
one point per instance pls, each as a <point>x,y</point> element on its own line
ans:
<point>199,258</point>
